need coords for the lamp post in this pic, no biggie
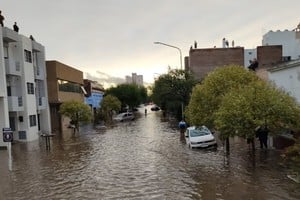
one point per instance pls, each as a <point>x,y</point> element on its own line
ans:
<point>161,43</point>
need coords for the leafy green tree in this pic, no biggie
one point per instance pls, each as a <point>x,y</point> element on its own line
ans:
<point>130,95</point>
<point>109,104</point>
<point>235,101</point>
<point>207,96</point>
<point>171,91</point>
<point>77,111</point>
<point>243,109</point>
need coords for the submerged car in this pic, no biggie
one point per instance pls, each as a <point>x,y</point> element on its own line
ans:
<point>155,108</point>
<point>127,116</point>
<point>199,136</point>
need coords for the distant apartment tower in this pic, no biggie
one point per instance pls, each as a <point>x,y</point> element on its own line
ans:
<point>135,79</point>
<point>65,83</point>
<point>23,87</point>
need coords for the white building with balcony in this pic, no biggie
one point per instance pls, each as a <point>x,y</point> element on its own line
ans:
<point>23,87</point>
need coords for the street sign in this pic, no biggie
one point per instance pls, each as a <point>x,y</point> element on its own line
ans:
<point>7,135</point>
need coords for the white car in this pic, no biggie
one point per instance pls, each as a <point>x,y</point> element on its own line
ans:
<point>127,116</point>
<point>199,137</point>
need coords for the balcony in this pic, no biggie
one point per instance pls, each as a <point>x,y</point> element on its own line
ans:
<point>39,73</point>
<point>12,67</point>
<point>41,103</point>
<point>15,103</point>
<point>9,35</point>
<point>37,47</point>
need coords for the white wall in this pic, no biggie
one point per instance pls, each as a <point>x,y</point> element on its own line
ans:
<point>290,44</point>
<point>249,54</point>
<point>4,119</point>
<point>288,79</point>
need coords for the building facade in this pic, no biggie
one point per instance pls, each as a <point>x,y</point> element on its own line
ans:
<point>94,95</point>
<point>65,83</point>
<point>287,77</point>
<point>135,79</point>
<point>290,41</point>
<point>23,89</point>
<point>203,61</point>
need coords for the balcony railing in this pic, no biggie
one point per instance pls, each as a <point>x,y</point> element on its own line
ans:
<point>41,103</point>
<point>12,67</point>
<point>15,103</point>
<point>38,73</point>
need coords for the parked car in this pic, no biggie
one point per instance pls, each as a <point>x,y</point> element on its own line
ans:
<point>155,108</point>
<point>199,136</point>
<point>127,116</point>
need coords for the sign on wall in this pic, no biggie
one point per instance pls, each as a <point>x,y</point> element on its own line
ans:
<point>7,135</point>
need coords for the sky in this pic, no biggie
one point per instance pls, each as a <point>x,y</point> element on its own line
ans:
<point>116,37</point>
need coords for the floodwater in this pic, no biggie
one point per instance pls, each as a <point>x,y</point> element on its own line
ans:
<point>142,159</point>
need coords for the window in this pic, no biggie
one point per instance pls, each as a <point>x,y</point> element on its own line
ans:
<point>5,51</point>
<point>66,86</point>
<point>30,88</point>
<point>28,57</point>
<point>32,120</point>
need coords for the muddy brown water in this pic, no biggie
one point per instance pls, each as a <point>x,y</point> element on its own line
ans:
<point>142,159</point>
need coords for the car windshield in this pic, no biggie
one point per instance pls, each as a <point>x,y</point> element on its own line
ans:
<point>199,132</point>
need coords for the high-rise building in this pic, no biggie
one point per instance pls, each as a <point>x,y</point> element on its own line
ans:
<point>135,79</point>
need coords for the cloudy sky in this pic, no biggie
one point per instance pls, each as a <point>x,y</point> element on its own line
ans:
<point>117,36</point>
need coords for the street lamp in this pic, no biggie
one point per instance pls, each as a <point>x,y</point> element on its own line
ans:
<point>180,65</point>
<point>172,47</point>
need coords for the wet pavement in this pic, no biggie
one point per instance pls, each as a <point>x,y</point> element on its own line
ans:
<point>142,159</point>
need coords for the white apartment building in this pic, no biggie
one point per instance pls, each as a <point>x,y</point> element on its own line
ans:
<point>287,77</point>
<point>290,41</point>
<point>23,87</point>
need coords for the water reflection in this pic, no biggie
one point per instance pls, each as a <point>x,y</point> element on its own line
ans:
<point>143,159</point>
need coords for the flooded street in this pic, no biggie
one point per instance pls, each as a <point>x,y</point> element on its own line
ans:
<point>142,159</point>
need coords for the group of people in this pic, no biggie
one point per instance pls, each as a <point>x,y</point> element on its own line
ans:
<point>15,26</point>
<point>253,64</point>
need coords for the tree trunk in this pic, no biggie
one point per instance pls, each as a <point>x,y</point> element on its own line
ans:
<point>227,146</point>
<point>253,145</point>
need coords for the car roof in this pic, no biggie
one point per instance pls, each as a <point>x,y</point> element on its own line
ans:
<point>196,127</point>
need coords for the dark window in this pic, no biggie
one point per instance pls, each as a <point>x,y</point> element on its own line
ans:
<point>28,56</point>
<point>8,91</point>
<point>32,120</point>
<point>30,88</point>
<point>66,86</point>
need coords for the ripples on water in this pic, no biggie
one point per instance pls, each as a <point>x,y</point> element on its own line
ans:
<point>143,159</point>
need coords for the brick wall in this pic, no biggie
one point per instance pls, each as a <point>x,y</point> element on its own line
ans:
<point>203,61</point>
<point>268,56</point>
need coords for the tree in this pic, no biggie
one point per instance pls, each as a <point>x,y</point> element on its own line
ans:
<point>236,101</point>
<point>258,104</point>
<point>172,91</point>
<point>130,95</point>
<point>78,112</point>
<point>108,104</point>
<point>206,97</point>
